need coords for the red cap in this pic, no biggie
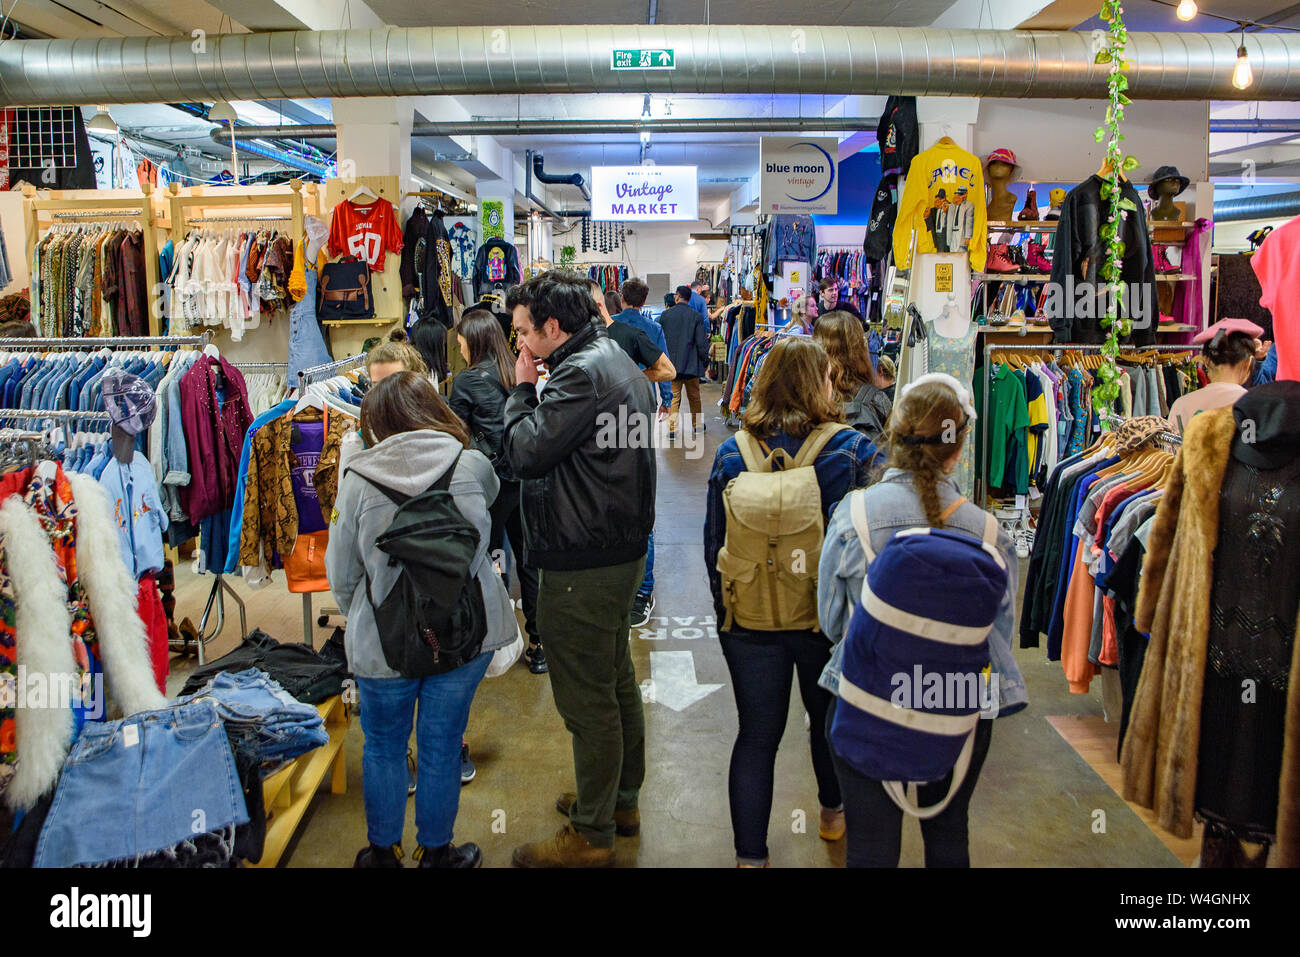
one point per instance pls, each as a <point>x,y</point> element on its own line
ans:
<point>1229,325</point>
<point>1002,155</point>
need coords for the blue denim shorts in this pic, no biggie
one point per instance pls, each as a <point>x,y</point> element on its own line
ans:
<point>259,713</point>
<point>140,785</point>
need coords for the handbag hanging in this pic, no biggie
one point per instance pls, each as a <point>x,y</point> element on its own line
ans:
<point>344,291</point>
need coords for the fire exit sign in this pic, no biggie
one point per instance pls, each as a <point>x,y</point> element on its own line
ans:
<point>644,60</point>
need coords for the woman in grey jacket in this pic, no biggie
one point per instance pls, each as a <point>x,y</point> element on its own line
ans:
<point>412,438</point>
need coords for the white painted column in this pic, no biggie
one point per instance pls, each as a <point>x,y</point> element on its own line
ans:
<point>374,137</point>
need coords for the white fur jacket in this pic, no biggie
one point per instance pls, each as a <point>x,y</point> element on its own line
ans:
<point>44,625</point>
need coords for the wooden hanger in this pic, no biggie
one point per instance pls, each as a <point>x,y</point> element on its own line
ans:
<point>945,141</point>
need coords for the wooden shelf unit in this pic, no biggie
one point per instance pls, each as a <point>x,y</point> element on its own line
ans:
<point>289,791</point>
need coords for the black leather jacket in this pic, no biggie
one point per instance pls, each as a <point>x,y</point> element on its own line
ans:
<point>587,502</point>
<point>479,398</point>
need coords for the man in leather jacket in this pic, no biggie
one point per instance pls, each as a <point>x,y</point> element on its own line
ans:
<point>583,450</point>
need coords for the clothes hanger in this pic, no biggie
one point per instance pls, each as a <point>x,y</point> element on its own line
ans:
<point>363,190</point>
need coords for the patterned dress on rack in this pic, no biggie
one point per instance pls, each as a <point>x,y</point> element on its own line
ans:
<point>956,357</point>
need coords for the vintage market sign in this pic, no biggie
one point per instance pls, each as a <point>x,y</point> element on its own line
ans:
<point>655,194</point>
<point>644,60</point>
<point>799,174</point>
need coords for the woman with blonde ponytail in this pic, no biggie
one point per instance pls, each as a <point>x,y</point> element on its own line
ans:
<point>931,422</point>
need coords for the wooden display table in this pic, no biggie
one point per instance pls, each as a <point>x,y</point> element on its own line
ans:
<point>288,792</point>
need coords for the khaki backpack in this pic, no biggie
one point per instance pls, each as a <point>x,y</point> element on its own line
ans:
<point>768,560</point>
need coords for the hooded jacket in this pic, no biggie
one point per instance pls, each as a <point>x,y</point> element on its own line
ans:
<point>496,267</point>
<point>409,462</point>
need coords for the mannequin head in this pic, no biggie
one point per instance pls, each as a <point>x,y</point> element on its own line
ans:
<point>1167,189</point>
<point>999,170</point>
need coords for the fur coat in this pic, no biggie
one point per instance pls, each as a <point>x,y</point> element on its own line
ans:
<point>43,624</point>
<point>1163,739</point>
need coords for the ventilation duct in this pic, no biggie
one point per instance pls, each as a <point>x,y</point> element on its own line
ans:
<point>558,179</point>
<point>1277,206</point>
<point>1255,126</point>
<point>424,61</point>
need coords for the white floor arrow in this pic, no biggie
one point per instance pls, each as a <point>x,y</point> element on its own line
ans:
<point>672,680</point>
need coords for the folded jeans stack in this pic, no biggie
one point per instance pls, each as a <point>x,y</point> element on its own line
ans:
<point>262,720</point>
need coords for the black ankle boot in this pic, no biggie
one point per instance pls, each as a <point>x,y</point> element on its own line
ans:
<point>372,855</point>
<point>449,855</point>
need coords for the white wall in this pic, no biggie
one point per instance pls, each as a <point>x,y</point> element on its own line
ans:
<point>1231,237</point>
<point>654,247</point>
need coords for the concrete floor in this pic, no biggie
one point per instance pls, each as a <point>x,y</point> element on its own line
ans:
<point>1035,804</point>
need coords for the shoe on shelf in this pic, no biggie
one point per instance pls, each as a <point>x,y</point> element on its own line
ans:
<point>626,823</point>
<point>831,824</point>
<point>567,848</point>
<point>1030,211</point>
<point>1036,259</point>
<point>642,605</point>
<point>999,259</point>
<point>467,769</point>
<point>449,855</point>
<point>374,856</point>
<point>536,656</point>
<point>410,772</point>
<point>1162,262</point>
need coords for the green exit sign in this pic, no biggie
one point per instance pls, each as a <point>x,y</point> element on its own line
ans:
<point>644,60</point>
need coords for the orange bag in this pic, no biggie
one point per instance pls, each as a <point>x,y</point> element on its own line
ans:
<point>304,569</point>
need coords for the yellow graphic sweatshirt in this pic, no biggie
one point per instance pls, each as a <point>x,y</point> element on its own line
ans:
<point>943,201</point>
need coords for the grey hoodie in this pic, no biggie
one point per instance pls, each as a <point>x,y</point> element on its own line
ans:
<point>407,463</point>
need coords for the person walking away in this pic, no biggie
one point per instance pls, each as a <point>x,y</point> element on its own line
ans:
<point>478,396</point>
<point>1229,347</point>
<point>933,418</point>
<point>687,334</point>
<point>864,404</point>
<point>699,298</point>
<point>635,293</point>
<point>658,369</point>
<point>793,460</point>
<point>587,513</point>
<point>415,443</point>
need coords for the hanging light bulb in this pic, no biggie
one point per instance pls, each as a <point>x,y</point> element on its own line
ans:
<point>102,121</point>
<point>1242,75</point>
<point>1186,10</point>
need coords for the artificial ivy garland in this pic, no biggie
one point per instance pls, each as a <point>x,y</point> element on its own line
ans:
<point>1117,163</point>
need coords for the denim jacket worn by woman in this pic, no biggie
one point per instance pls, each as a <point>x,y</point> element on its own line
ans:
<point>842,465</point>
<point>893,504</point>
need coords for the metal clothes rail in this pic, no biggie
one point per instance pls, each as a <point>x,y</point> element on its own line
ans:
<point>91,343</point>
<point>1055,347</point>
<point>329,369</point>
<point>58,415</point>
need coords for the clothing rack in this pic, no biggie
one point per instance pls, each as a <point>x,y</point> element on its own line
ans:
<point>329,369</point>
<point>226,198</point>
<point>260,365</point>
<point>238,219</point>
<point>137,208</point>
<point>1062,347</point>
<point>60,415</point>
<point>97,342</point>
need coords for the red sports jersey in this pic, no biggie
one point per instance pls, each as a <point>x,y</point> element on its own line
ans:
<point>367,232</point>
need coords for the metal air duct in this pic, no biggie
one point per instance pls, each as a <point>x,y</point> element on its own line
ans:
<point>1277,206</point>
<point>732,59</point>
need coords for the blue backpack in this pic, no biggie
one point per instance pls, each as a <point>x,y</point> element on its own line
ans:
<point>917,646</point>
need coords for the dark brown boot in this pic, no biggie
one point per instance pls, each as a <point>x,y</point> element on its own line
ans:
<point>626,823</point>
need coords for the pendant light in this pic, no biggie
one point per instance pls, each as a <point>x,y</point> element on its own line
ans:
<point>1242,75</point>
<point>102,121</point>
<point>1186,10</point>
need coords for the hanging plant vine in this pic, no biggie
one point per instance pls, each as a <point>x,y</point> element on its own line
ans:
<point>1112,233</point>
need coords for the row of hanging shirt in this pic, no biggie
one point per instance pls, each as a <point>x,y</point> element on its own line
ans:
<point>229,278</point>
<point>89,280</point>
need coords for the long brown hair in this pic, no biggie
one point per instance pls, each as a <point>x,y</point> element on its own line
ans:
<point>840,334</point>
<point>928,426</point>
<point>482,334</point>
<point>396,348</point>
<point>407,402</point>
<point>790,393</point>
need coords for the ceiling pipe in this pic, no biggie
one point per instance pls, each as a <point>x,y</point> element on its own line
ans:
<point>1255,126</point>
<point>559,179</point>
<point>1277,206</point>
<point>561,127</point>
<point>731,59</point>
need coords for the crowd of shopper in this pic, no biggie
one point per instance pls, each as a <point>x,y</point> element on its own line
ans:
<point>527,467</point>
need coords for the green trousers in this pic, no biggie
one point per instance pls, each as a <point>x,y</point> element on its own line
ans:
<point>584,618</point>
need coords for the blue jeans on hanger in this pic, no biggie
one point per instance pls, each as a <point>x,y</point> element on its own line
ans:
<point>306,343</point>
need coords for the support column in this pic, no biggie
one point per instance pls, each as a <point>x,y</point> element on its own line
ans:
<point>954,116</point>
<point>499,191</point>
<point>374,137</point>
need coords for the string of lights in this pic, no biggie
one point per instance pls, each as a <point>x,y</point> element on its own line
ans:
<point>1242,75</point>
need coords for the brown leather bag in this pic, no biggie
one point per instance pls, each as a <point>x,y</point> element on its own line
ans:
<point>304,567</point>
<point>344,291</point>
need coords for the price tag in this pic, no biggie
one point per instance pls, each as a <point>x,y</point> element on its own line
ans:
<point>1021,503</point>
<point>943,277</point>
<point>130,735</point>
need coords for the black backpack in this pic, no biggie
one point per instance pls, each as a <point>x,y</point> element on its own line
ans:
<point>868,410</point>
<point>433,621</point>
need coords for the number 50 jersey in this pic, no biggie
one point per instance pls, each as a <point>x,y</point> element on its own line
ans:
<point>367,232</point>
